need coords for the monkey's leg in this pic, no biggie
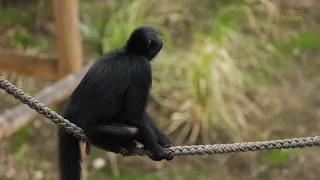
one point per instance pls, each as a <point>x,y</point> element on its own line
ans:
<point>135,101</point>
<point>125,131</point>
<point>118,130</point>
<point>113,137</point>
<point>116,145</point>
<point>162,138</point>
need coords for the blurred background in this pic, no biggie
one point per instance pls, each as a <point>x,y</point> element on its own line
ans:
<point>230,71</point>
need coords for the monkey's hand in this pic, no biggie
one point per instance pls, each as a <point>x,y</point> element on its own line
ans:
<point>166,153</point>
<point>163,139</point>
<point>155,150</point>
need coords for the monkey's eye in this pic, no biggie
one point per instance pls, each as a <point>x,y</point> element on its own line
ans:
<point>150,42</point>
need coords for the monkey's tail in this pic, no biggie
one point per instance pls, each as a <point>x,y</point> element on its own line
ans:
<point>69,156</point>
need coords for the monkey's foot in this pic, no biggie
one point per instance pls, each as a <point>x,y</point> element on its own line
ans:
<point>165,154</point>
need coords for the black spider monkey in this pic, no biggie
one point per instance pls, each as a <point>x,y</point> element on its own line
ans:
<point>115,90</point>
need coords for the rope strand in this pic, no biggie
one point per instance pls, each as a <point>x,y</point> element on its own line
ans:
<point>177,150</point>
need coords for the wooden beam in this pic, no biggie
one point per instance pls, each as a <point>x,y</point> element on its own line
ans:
<point>14,119</point>
<point>40,66</point>
<point>68,37</point>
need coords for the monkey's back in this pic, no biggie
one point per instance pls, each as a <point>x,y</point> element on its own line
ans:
<point>101,94</point>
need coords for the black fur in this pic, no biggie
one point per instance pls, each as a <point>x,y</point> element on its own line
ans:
<point>115,90</point>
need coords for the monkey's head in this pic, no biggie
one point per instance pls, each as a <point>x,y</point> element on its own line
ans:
<point>144,41</point>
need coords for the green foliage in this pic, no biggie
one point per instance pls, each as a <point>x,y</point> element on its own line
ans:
<point>214,78</point>
<point>19,138</point>
<point>229,57</point>
<point>120,18</point>
<point>275,157</point>
<point>29,42</point>
<point>15,15</point>
<point>22,38</point>
<point>303,39</point>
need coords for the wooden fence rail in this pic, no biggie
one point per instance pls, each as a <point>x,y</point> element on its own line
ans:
<point>69,52</point>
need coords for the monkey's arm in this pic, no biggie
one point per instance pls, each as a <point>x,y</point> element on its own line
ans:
<point>162,138</point>
<point>136,99</point>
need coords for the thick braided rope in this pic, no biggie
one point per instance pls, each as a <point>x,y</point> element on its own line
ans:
<point>177,150</point>
<point>238,147</point>
<point>42,109</point>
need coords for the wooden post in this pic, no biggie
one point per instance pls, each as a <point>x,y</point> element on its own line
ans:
<point>68,37</point>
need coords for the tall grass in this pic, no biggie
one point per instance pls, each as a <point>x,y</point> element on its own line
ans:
<point>212,81</point>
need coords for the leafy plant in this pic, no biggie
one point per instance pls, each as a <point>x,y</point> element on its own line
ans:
<point>276,156</point>
<point>211,81</point>
<point>16,16</point>
<point>120,18</point>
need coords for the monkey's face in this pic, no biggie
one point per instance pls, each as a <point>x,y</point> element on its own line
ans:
<point>145,42</point>
<point>155,44</point>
